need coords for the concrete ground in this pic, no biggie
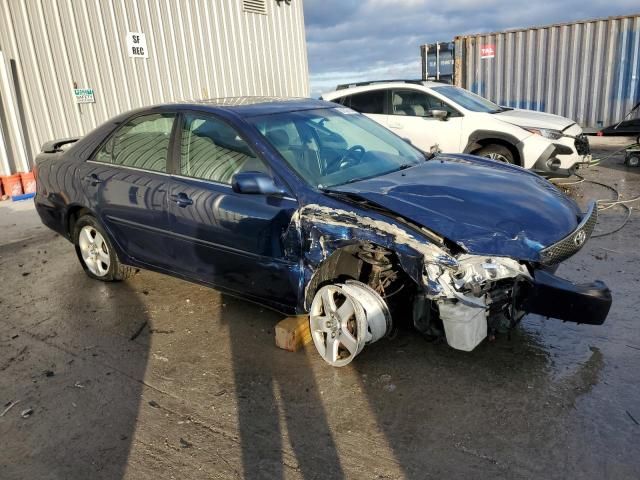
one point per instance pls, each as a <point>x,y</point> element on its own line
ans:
<point>202,392</point>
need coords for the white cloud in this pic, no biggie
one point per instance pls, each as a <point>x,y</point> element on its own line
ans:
<point>327,81</point>
<point>352,40</point>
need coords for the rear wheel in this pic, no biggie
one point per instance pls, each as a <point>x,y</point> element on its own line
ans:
<point>96,253</point>
<point>496,152</point>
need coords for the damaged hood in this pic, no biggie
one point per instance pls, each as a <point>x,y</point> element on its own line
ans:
<point>484,206</point>
<point>531,118</point>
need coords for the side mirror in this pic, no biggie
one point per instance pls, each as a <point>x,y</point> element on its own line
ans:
<point>408,140</point>
<point>439,114</point>
<point>255,183</point>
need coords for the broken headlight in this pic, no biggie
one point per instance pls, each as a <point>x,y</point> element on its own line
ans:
<point>476,274</point>
<point>472,275</point>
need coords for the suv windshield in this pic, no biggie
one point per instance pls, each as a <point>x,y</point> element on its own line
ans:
<point>468,100</point>
<point>333,146</point>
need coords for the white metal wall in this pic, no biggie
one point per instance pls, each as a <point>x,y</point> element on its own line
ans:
<point>588,71</point>
<point>197,49</point>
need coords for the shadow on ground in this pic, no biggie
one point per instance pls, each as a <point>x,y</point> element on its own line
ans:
<point>66,357</point>
<point>279,404</point>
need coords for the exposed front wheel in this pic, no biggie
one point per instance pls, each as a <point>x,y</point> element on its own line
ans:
<point>95,252</point>
<point>496,152</point>
<point>346,317</point>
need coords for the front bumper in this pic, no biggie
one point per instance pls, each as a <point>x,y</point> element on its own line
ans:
<point>549,164</point>
<point>561,158</point>
<point>555,297</point>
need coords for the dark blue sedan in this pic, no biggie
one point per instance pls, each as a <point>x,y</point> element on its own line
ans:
<point>311,208</point>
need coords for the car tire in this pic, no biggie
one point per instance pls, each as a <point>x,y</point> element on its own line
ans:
<point>496,152</point>
<point>96,253</point>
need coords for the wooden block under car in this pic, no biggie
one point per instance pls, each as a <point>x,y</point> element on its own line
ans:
<point>293,333</point>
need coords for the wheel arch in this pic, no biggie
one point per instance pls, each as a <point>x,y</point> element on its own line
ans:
<point>483,138</point>
<point>349,263</point>
<point>74,212</point>
<point>77,211</point>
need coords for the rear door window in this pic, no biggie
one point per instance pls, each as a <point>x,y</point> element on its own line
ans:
<point>366,102</point>
<point>141,143</point>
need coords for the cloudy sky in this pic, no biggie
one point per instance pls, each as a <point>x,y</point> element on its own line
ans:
<point>350,40</point>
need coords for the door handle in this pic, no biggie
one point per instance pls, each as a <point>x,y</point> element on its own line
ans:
<point>93,179</point>
<point>395,125</point>
<point>182,200</point>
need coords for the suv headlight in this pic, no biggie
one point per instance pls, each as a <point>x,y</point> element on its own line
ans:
<point>545,132</point>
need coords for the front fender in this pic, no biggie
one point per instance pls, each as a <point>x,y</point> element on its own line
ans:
<point>325,230</point>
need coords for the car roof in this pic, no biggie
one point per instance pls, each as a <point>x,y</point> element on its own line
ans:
<point>251,106</point>
<point>381,86</point>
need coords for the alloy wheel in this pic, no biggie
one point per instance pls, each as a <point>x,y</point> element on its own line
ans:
<point>497,156</point>
<point>338,325</point>
<point>344,318</point>
<point>94,251</point>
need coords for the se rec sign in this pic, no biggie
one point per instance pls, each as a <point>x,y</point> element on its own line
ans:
<point>137,45</point>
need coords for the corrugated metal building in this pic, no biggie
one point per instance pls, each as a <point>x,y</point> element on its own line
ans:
<point>68,65</point>
<point>588,71</point>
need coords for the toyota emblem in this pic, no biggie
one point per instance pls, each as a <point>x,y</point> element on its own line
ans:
<point>580,238</point>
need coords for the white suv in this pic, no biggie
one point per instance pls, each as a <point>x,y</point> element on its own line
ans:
<point>439,117</point>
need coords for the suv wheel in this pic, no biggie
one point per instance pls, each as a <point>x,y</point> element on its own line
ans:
<point>96,253</point>
<point>496,152</point>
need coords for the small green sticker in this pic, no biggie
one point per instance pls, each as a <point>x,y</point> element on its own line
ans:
<point>84,95</point>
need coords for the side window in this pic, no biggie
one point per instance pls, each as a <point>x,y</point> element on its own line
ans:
<point>418,104</point>
<point>366,102</point>
<point>141,143</point>
<point>437,104</point>
<point>212,150</point>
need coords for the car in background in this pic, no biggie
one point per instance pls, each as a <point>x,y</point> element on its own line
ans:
<point>626,128</point>
<point>440,117</point>
<point>312,208</point>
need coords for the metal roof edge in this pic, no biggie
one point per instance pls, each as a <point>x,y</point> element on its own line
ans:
<point>541,27</point>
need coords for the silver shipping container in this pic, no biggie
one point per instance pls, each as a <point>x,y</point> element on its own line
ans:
<point>68,65</point>
<point>588,71</point>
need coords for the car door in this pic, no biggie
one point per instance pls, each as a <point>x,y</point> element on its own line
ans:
<point>126,183</point>
<point>411,117</point>
<point>228,239</point>
<point>371,103</point>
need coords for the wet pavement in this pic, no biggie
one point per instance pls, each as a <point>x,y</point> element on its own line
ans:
<point>202,392</point>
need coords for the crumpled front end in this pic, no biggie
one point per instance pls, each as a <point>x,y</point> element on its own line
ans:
<point>454,293</point>
<point>482,295</point>
<point>475,297</point>
<point>479,295</point>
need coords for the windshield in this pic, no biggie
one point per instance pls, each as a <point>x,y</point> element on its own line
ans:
<point>468,100</point>
<point>333,146</point>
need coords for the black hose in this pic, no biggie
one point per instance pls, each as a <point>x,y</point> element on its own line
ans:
<point>616,199</point>
<point>618,228</point>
